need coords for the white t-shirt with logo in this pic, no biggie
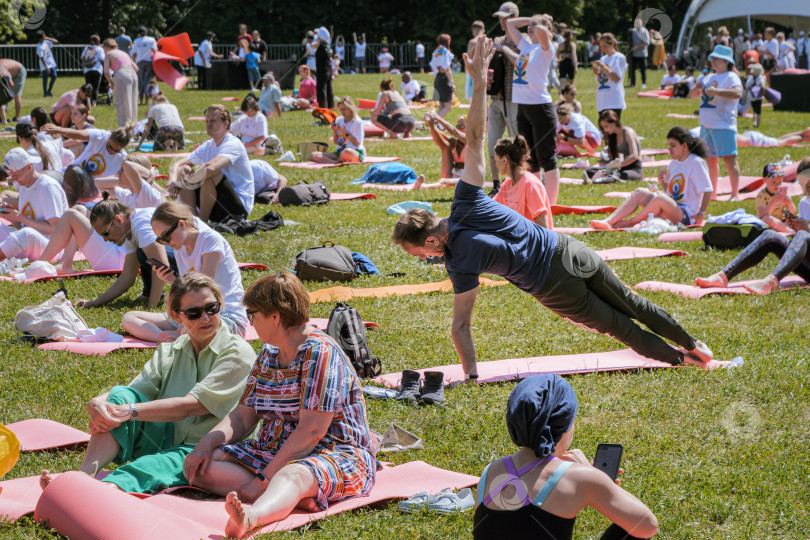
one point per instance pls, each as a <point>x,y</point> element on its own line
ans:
<point>442,58</point>
<point>142,234</point>
<point>44,52</point>
<point>95,159</point>
<point>667,80</point>
<point>609,94</point>
<point>237,171</point>
<point>530,76</point>
<point>265,177</point>
<point>354,128</point>
<point>148,197</point>
<point>45,199</point>
<point>411,89</point>
<point>228,277</point>
<point>688,181</point>
<point>165,115</point>
<point>143,48</point>
<point>718,112</point>
<point>579,125</point>
<point>248,129</point>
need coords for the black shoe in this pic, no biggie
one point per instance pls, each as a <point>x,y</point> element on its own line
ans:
<point>409,386</point>
<point>494,191</point>
<point>433,389</point>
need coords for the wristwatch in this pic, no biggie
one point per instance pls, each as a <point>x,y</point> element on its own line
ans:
<point>133,412</point>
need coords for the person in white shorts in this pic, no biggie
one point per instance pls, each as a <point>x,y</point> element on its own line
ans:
<point>197,248</point>
<point>37,209</point>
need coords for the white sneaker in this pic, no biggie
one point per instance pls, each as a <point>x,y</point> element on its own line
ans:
<point>643,86</point>
<point>581,164</point>
<point>287,156</point>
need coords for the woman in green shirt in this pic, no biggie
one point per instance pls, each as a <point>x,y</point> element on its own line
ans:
<point>149,426</point>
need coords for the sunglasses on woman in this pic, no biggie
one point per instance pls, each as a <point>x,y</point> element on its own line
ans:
<point>196,312</point>
<point>165,237</point>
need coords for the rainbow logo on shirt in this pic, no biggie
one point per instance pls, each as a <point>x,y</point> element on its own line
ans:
<point>341,135</point>
<point>28,211</point>
<point>604,81</point>
<point>706,101</point>
<point>676,187</point>
<point>520,69</point>
<point>95,165</point>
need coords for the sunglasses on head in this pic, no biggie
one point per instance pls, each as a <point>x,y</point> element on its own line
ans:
<point>195,313</point>
<point>165,237</point>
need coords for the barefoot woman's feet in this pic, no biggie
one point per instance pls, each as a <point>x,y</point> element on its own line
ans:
<point>715,280</point>
<point>601,224</point>
<point>762,286</point>
<point>45,478</point>
<point>419,181</point>
<point>238,523</point>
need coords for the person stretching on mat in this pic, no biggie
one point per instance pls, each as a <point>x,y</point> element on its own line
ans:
<point>313,445</point>
<point>576,130</point>
<point>196,246</point>
<point>482,236</point>
<point>521,191</point>
<point>538,491</point>
<point>794,255</point>
<point>757,139</point>
<point>348,133</point>
<point>451,140</point>
<point>150,425</point>
<point>117,223</point>
<point>686,189</point>
<point>222,186</point>
<point>392,114</point>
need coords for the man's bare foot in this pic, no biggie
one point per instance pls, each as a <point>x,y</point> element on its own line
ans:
<point>601,225</point>
<point>701,351</point>
<point>715,280</point>
<point>45,478</point>
<point>708,366</point>
<point>419,181</point>
<point>309,504</point>
<point>762,286</point>
<point>238,523</point>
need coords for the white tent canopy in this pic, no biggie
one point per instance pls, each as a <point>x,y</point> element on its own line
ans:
<point>790,13</point>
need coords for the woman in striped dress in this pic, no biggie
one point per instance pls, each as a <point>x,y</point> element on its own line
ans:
<point>313,445</point>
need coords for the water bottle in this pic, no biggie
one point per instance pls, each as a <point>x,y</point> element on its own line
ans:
<point>737,361</point>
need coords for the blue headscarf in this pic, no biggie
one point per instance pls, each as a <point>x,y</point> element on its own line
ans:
<point>539,411</point>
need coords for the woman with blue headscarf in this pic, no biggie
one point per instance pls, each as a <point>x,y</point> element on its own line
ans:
<point>538,491</point>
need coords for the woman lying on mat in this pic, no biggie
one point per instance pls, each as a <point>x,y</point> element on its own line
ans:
<point>482,236</point>
<point>794,254</point>
<point>624,150</point>
<point>392,114</point>
<point>149,426</point>
<point>686,189</point>
<point>196,246</point>
<point>348,133</point>
<point>755,138</point>
<point>451,140</point>
<point>538,491</point>
<point>313,444</point>
<point>522,191</point>
<point>115,222</point>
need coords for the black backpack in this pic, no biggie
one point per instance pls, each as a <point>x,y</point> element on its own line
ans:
<point>326,263</point>
<point>304,194</point>
<point>498,67</point>
<point>346,327</point>
<point>725,236</point>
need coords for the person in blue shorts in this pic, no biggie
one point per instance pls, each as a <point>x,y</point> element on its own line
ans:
<point>483,236</point>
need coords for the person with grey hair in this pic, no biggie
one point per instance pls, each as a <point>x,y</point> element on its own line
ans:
<point>639,52</point>
<point>270,98</point>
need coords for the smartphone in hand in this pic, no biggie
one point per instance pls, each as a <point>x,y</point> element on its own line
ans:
<point>607,459</point>
<point>157,265</point>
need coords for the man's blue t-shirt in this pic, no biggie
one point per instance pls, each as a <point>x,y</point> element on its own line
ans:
<point>487,237</point>
<point>252,60</point>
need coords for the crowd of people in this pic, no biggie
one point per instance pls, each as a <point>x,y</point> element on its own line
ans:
<point>188,417</point>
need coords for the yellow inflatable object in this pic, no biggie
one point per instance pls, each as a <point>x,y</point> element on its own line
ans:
<point>9,450</point>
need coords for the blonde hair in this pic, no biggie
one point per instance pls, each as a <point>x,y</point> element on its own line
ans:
<point>348,102</point>
<point>171,212</point>
<point>122,135</point>
<point>281,293</point>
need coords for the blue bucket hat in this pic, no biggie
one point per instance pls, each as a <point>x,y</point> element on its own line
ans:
<point>723,53</point>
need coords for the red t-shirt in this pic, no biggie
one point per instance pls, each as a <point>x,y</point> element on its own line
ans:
<point>528,197</point>
<point>307,90</point>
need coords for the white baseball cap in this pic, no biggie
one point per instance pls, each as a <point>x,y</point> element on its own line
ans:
<point>16,159</point>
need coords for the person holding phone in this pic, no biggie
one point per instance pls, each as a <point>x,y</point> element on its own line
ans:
<point>538,491</point>
<point>197,247</point>
<point>794,255</point>
<point>117,223</point>
<point>773,200</point>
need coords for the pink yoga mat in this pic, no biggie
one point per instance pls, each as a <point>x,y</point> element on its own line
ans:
<point>520,368</point>
<point>654,151</point>
<point>313,165</point>
<point>198,118</point>
<point>570,181</point>
<point>19,497</point>
<point>626,253</point>
<point>682,116</point>
<point>583,230</point>
<point>695,292</point>
<point>681,236</point>
<point>660,94</point>
<point>747,183</point>
<point>351,196</point>
<point>154,155</point>
<point>655,163</point>
<point>231,98</point>
<point>557,209</point>
<point>409,187</point>
<point>380,139</point>
<point>43,434</point>
<point>80,507</point>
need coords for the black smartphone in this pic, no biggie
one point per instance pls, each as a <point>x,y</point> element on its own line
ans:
<point>607,459</point>
<point>156,264</point>
<point>787,214</point>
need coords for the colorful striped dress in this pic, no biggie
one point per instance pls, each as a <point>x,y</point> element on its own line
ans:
<point>320,378</point>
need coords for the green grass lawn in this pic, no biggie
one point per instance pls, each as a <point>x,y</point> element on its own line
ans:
<point>719,455</point>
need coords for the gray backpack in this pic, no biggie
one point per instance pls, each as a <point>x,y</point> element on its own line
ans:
<point>304,194</point>
<point>326,263</point>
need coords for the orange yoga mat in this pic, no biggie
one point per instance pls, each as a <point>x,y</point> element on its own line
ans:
<point>343,294</point>
<point>558,209</point>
